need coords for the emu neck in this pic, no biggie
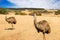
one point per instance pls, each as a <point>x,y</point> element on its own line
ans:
<point>35,21</point>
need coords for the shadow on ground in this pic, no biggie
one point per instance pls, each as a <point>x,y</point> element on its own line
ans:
<point>9,28</point>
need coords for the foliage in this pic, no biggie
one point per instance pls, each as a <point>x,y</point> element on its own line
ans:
<point>57,12</point>
<point>19,13</point>
<point>23,14</point>
<point>3,11</point>
<point>38,13</point>
<point>45,11</point>
<point>16,13</point>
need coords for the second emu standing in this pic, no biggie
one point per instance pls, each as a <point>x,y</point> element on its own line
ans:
<point>42,26</point>
<point>10,20</point>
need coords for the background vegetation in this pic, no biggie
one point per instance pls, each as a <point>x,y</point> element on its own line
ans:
<point>57,12</point>
<point>18,11</point>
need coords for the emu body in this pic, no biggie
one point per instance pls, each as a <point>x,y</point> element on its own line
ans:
<point>11,20</point>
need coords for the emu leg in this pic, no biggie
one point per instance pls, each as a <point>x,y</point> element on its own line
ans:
<point>12,25</point>
<point>44,36</point>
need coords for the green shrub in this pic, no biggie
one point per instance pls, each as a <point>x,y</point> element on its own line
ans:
<point>17,13</point>
<point>23,14</point>
<point>39,14</point>
<point>3,11</point>
<point>57,12</point>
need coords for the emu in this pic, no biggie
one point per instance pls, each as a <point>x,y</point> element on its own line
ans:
<point>42,26</point>
<point>10,20</point>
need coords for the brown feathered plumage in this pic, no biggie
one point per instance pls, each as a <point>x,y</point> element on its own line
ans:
<point>11,20</point>
<point>42,26</point>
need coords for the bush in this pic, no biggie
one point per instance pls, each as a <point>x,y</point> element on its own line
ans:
<point>57,12</point>
<point>45,11</point>
<point>3,11</point>
<point>17,13</point>
<point>31,14</point>
<point>23,14</point>
<point>39,14</point>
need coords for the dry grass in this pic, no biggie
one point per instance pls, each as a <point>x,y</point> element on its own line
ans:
<point>25,30</point>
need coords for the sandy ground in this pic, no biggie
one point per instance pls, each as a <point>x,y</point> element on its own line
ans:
<point>25,30</point>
